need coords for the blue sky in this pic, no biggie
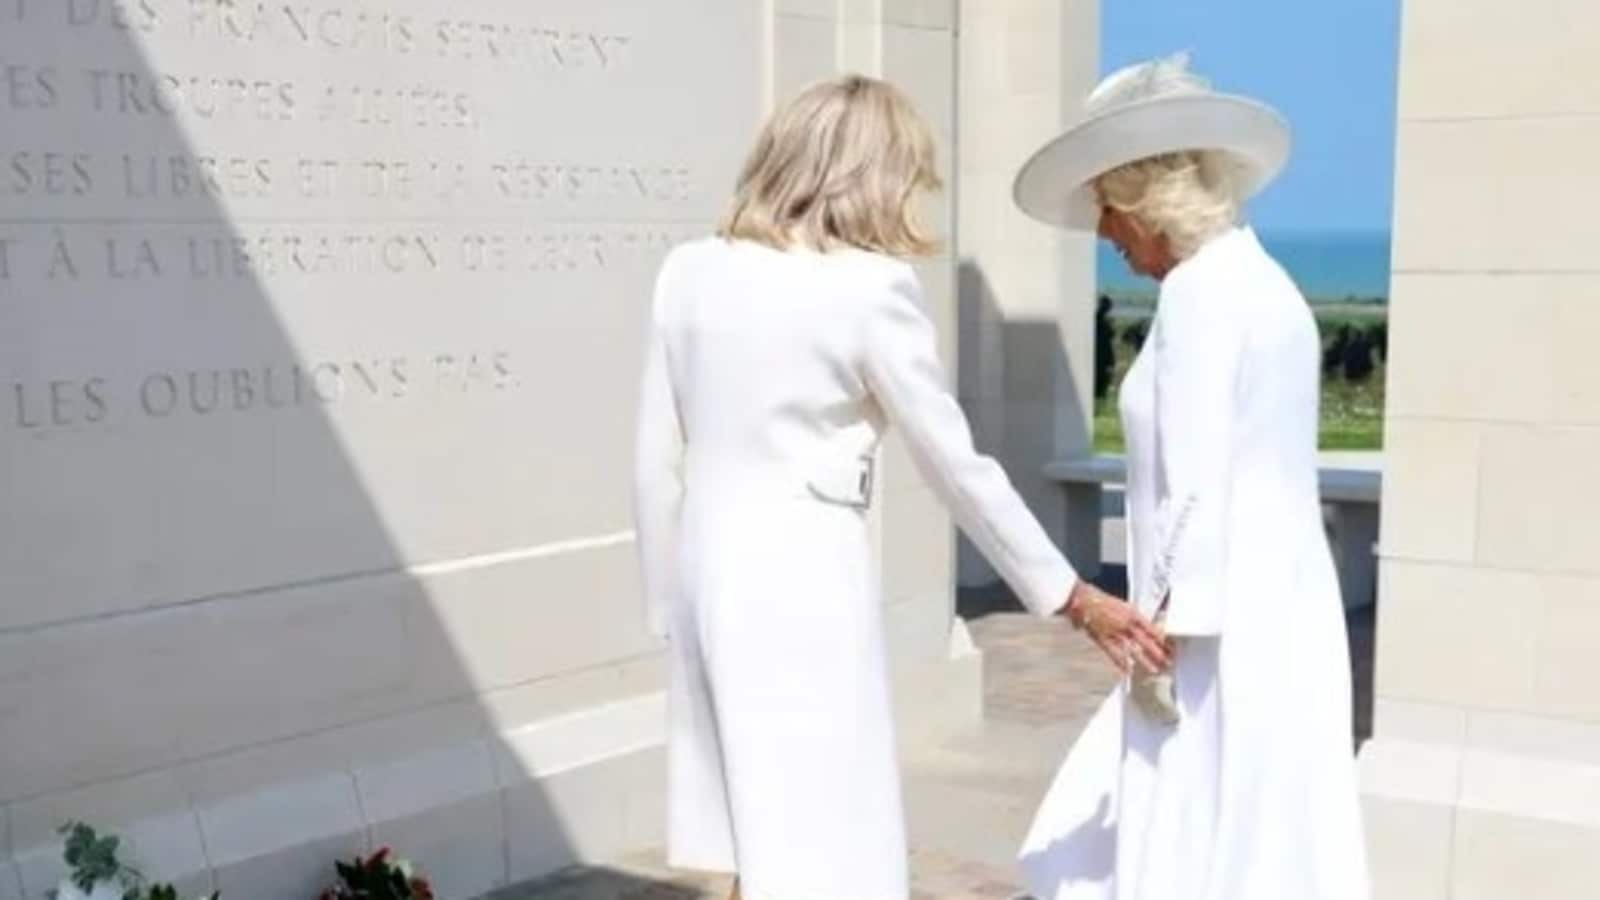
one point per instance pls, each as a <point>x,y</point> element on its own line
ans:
<point>1329,65</point>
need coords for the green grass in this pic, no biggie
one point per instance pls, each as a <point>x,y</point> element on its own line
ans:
<point>1352,413</point>
<point>1107,428</point>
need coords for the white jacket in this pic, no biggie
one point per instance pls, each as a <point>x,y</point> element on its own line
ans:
<point>770,380</point>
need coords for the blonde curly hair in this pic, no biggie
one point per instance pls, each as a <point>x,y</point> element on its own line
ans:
<point>1190,196</point>
<point>840,165</point>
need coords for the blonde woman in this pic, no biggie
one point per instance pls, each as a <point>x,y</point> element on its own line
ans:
<point>780,351</point>
<point>1240,784</point>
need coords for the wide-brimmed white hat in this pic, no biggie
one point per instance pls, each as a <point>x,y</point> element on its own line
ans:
<point>1141,111</point>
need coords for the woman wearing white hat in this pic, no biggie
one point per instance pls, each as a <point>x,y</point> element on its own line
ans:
<point>1234,778</point>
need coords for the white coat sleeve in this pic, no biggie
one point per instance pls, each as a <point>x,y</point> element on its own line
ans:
<point>658,475</point>
<point>1198,351</point>
<point>902,369</point>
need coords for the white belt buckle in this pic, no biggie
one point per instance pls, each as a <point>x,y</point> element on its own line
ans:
<point>864,482</point>
<point>846,485</point>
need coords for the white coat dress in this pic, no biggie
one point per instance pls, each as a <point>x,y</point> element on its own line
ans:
<point>770,379</point>
<point>1253,794</point>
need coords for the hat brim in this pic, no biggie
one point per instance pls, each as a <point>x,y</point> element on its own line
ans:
<point>1055,186</point>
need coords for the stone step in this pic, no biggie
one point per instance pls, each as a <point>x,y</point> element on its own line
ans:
<point>935,876</point>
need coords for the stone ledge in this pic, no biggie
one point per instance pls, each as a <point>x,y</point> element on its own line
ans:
<point>478,813</point>
<point>1447,820</point>
<point>454,810</point>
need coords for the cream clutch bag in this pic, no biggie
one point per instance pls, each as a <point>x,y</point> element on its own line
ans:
<point>1156,695</point>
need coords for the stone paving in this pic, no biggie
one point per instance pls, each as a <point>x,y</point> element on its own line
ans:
<point>968,799</point>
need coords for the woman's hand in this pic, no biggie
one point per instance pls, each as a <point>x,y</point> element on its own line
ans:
<point>1126,637</point>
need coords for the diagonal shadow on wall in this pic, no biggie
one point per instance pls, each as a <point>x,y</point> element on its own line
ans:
<point>313,537</point>
<point>1016,383</point>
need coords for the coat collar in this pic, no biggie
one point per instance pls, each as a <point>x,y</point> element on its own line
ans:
<point>1218,251</point>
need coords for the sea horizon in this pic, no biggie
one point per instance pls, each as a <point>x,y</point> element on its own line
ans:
<point>1330,266</point>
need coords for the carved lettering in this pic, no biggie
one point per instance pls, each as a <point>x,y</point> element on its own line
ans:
<point>204,261</point>
<point>49,173</point>
<point>212,392</point>
<point>546,48</point>
<point>135,259</point>
<point>381,377</point>
<point>318,177</point>
<point>205,390</point>
<point>417,106</point>
<point>526,180</point>
<point>126,15</point>
<point>272,252</point>
<point>239,177</point>
<point>282,389</point>
<point>61,261</point>
<point>444,371</point>
<point>327,374</point>
<point>94,393</point>
<point>158,395</point>
<point>20,398</point>
<point>481,253</point>
<point>399,370</point>
<point>62,173</point>
<point>205,157</point>
<point>407,180</point>
<point>60,403</point>
<point>331,28</point>
<point>244,390</point>
<point>338,28</point>
<point>29,87</point>
<point>455,373</point>
<point>205,96</point>
<point>568,251</point>
<point>297,252</point>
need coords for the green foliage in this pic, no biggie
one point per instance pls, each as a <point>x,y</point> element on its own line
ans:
<point>92,859</point>
<point>1330,320</point>
<point>1352,410</point>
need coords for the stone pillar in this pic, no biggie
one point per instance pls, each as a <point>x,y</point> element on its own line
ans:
<point>1026,291</point>
<point>1480,782</point>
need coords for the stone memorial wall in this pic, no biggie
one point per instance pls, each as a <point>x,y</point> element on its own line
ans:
<point>320,325</point>
<point>319,330</point>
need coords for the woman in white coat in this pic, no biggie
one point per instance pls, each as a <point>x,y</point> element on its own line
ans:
<point>1238,781</point>
<point>779,352</point>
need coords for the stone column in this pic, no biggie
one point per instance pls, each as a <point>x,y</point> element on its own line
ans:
<point>1480,782</point>
<point>1026,291</point>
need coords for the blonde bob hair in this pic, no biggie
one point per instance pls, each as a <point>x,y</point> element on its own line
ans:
<point>1190,196</point>
<point>838,166</point>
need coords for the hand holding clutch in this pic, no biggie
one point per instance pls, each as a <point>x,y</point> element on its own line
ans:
<point>1121,633</point>
<point>1155,692</point>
